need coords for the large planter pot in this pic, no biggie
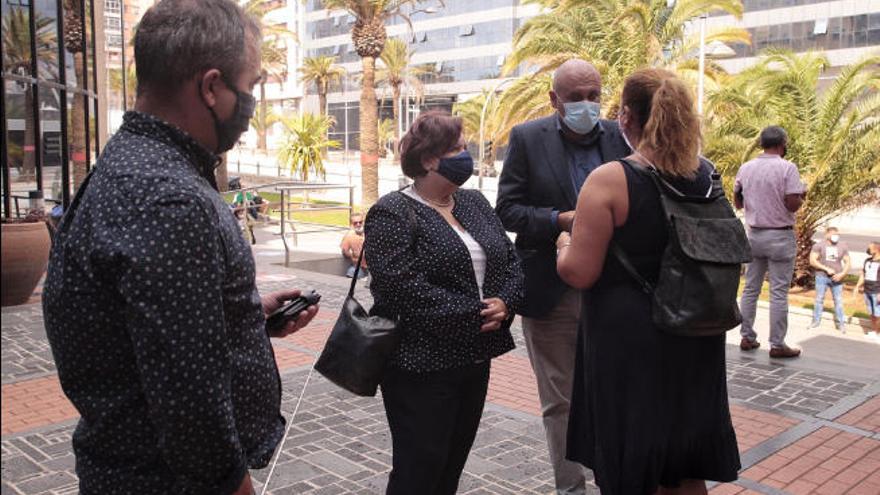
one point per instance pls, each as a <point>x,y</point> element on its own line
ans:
<point>25,253</point>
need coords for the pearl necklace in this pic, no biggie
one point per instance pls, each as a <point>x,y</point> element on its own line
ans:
<point>438,204</point>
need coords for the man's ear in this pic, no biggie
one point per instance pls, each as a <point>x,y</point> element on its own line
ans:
<point>554,101</point>
<point>208,85</point>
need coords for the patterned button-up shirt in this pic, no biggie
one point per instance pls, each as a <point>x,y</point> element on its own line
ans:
<point>157,329</point>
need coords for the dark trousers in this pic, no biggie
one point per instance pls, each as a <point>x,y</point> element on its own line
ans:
<point>433,419</point>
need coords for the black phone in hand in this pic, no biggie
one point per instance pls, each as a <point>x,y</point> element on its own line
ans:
<point>291,310</point>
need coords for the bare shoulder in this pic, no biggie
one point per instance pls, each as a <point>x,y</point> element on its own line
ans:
<point>609,174</point>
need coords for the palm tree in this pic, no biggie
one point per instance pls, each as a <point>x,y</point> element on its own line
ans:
<point>306,143</point>
<point>17,60</point>
<point>368,37</point>
<point>115,82</point>
<point>471,111</point>
<point>386,136</point>
<point>73,43</point>
<point>324,72</point>
<point>273,55</point>
<point>396,72</point>
<point>263,122</point>
<point>618,37</point>
<point>834,136</point>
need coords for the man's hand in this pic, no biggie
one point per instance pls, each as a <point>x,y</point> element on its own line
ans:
<point>494,314</point>
<point>565,220</point>
<point>837,277</point>
<point>273,301</point>
<point>246,487</point>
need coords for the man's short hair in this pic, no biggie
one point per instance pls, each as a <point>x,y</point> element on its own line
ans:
<point>773,136</point>
<point>354,215</point>
<point>179,39</point>
<point>831,228</point>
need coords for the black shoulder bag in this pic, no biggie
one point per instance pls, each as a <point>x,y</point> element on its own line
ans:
<point>695,294</point>
<point>359,347</point>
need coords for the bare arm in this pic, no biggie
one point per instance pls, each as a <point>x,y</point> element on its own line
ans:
<point>793,202</point>
<point>602,200</point>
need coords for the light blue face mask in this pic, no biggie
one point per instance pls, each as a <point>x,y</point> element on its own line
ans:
<point>581,116</point>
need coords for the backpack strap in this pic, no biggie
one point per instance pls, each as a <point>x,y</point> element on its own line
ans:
<point>617,250</point>
<point>624,260</point>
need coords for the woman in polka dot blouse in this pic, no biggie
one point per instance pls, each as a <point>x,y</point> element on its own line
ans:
<point>442,263</point>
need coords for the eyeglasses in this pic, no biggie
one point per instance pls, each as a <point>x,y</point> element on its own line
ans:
<point>357,223</point>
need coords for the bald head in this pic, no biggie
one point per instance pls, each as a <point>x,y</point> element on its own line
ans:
<point>575,72</point>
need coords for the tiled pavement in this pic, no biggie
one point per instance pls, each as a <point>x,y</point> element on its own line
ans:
<point>800,430</point>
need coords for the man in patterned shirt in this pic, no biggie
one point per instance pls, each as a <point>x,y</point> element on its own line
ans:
<point>150,301</point>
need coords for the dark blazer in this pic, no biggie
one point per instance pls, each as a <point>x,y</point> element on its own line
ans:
<point>422,273</point>
<point>535,181</point>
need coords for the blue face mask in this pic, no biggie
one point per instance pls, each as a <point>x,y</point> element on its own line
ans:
<point>457,169</point>
<point>581,116</point>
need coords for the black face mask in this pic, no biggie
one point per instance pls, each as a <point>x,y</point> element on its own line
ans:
<point>457,169</point>
<point>228,132</point>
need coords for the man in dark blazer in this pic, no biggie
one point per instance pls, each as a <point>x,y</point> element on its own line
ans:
<point>547,162</point>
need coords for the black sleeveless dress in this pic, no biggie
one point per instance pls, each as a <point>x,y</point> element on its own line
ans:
<point>647,408</point>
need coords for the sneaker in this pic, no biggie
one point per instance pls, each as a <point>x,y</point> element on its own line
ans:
<point>814,325</point>
<point>842,328</point>
<point>784,352</point>
<point>872,335</point>
<point>749,345</point>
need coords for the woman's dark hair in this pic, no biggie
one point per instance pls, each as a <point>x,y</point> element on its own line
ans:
<point>432,135</point>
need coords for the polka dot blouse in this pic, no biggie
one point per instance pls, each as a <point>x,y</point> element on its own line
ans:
<point>154,319</point>
<point>423,273</point>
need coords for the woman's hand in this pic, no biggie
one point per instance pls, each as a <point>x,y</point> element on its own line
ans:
<point>493,315</point>
<point>273,301</point>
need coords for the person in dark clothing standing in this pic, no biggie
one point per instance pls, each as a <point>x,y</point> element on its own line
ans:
<point>150,301</point>
<point>547,162</point>
<point>649,409</point>
<point>441,263</point>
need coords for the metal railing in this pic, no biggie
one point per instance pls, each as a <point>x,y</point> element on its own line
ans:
<point>289,205</point>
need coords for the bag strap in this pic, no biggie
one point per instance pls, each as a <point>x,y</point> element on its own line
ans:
<point>357,268</point>
<point>624,260</point>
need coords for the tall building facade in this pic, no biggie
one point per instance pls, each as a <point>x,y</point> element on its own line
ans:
<point>845,30</point>
<point>462,43</point>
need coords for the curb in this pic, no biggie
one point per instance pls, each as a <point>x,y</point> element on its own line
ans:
<point>851,320</point>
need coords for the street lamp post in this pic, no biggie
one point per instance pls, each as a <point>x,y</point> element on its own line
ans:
<point>482,129</point>
<point>701,76</point>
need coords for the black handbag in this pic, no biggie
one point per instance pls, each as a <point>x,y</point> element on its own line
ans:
<point>357,352</point>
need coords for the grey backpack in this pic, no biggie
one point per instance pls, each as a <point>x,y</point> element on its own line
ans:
<point>696,293</point>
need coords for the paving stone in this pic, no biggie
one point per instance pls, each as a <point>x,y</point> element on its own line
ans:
<point>18,468</point>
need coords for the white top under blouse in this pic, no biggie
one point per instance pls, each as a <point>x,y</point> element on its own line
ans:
<point>478,255</point>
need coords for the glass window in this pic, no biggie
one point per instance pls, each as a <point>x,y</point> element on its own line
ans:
<point>37,135</point>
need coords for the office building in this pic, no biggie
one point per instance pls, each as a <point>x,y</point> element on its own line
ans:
<point>463,44</point>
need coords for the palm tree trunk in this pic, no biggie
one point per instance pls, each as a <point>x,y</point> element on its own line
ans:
<point>322,102</point>
<point>261,132</point>
<point>803,273</point>
<point>395,107</point>
<point>29,148</point>
<point>369,127</point>
<point>77,126</point>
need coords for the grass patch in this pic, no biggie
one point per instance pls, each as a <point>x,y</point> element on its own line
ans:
<point>336,218</point>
